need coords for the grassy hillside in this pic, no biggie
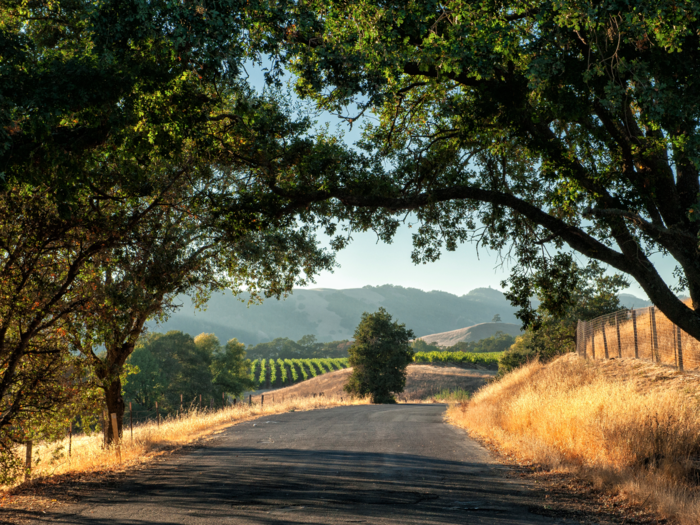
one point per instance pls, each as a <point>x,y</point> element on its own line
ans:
<point>625,425</point>
<point>332,315</point>
<point>472,333</point>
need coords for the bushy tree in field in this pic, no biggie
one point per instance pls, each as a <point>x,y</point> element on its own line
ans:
<point>421,346</point>
<point>229,366</point>
<point>174,363</point>
<point>379,357</point>
<point>496,343</point>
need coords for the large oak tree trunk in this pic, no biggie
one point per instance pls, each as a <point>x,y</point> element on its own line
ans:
<point>115,405</point>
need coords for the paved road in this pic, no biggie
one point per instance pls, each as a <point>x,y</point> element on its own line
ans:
<point>364,464</point>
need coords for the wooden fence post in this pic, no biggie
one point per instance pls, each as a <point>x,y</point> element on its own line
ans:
<point>131,422</point>
<point>634,329</point>
<point>679,349</point>
<point>262,400</point>
<point>578,337</point>
<point>617,328</point>
<point>28,461</point>
<point>157,415</point>
<point>223,400</point>
<point>605,341</point>
<point>593,344</point>
<point>200,401</point>
<point>181,403</point>
<point>70,438</point>
<point>585,338</point>
<point>654,338</point>
<point>250,400</point>
<point>105,427</point>
<point>115,437</point>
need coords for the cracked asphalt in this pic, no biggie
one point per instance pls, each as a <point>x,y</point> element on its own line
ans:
<point>378,464</point>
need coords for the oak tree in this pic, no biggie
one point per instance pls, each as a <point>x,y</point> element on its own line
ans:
<point>379,357</point>
<point>530,127</point>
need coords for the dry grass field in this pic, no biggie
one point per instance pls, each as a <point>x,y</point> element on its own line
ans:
<point>422,382</point>
<point>629,426</point>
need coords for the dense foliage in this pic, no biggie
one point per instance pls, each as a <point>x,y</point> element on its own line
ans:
<point>551,328</point>
<point>172,365</point>
<point>306,347</point>
<point>131,145</point>
<point>379,357</point>
<point>530,127</point>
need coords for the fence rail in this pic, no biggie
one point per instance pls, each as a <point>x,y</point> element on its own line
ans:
<point>643,333</point>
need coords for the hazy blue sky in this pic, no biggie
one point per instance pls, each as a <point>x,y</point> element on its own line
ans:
<point>366,262</point>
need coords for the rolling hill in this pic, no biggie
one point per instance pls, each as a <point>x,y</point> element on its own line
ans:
<point>472,333</point>
<point>332,315</point>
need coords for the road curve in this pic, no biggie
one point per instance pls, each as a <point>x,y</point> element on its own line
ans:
<point>378,464</point>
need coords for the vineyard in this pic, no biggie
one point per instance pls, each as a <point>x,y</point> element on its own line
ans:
<point>457,358</point>
<point>273,373</point>
<point>276,373</point>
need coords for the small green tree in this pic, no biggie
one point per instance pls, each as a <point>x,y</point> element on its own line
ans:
<point>379,357</point>
<point>230,369</point>
<point>568,293</point>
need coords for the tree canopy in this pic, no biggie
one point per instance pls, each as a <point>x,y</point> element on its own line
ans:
<point>552,326</point>
<point>379,357</point>
<point>529,127</point>
<point>117,119</point>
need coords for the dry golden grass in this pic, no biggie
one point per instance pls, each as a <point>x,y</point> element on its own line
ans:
<point>629,426</point>
<point>151,440</point>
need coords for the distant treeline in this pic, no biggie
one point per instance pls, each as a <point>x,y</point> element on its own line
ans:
<point>308,348</point>
<point>500,342</point>
<point>166,366</point>
<point>305,348</point>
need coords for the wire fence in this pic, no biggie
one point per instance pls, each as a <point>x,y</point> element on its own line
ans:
<point>642,333</point>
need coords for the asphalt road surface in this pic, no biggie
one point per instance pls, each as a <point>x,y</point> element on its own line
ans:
<point>398,464</point>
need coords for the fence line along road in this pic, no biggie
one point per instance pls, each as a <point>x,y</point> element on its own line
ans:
<point>643,333</point>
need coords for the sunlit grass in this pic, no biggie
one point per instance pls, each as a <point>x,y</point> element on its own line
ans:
<point>568,414</point>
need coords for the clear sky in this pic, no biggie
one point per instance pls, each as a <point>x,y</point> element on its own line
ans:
<point>368,262</point>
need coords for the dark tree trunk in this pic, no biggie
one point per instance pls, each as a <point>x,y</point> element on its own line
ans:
<point>115,405</point>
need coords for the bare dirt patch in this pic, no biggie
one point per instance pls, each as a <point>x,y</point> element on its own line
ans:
<point>422,382</point>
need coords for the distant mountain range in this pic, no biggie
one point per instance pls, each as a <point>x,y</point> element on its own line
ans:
<point>332,315</point>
